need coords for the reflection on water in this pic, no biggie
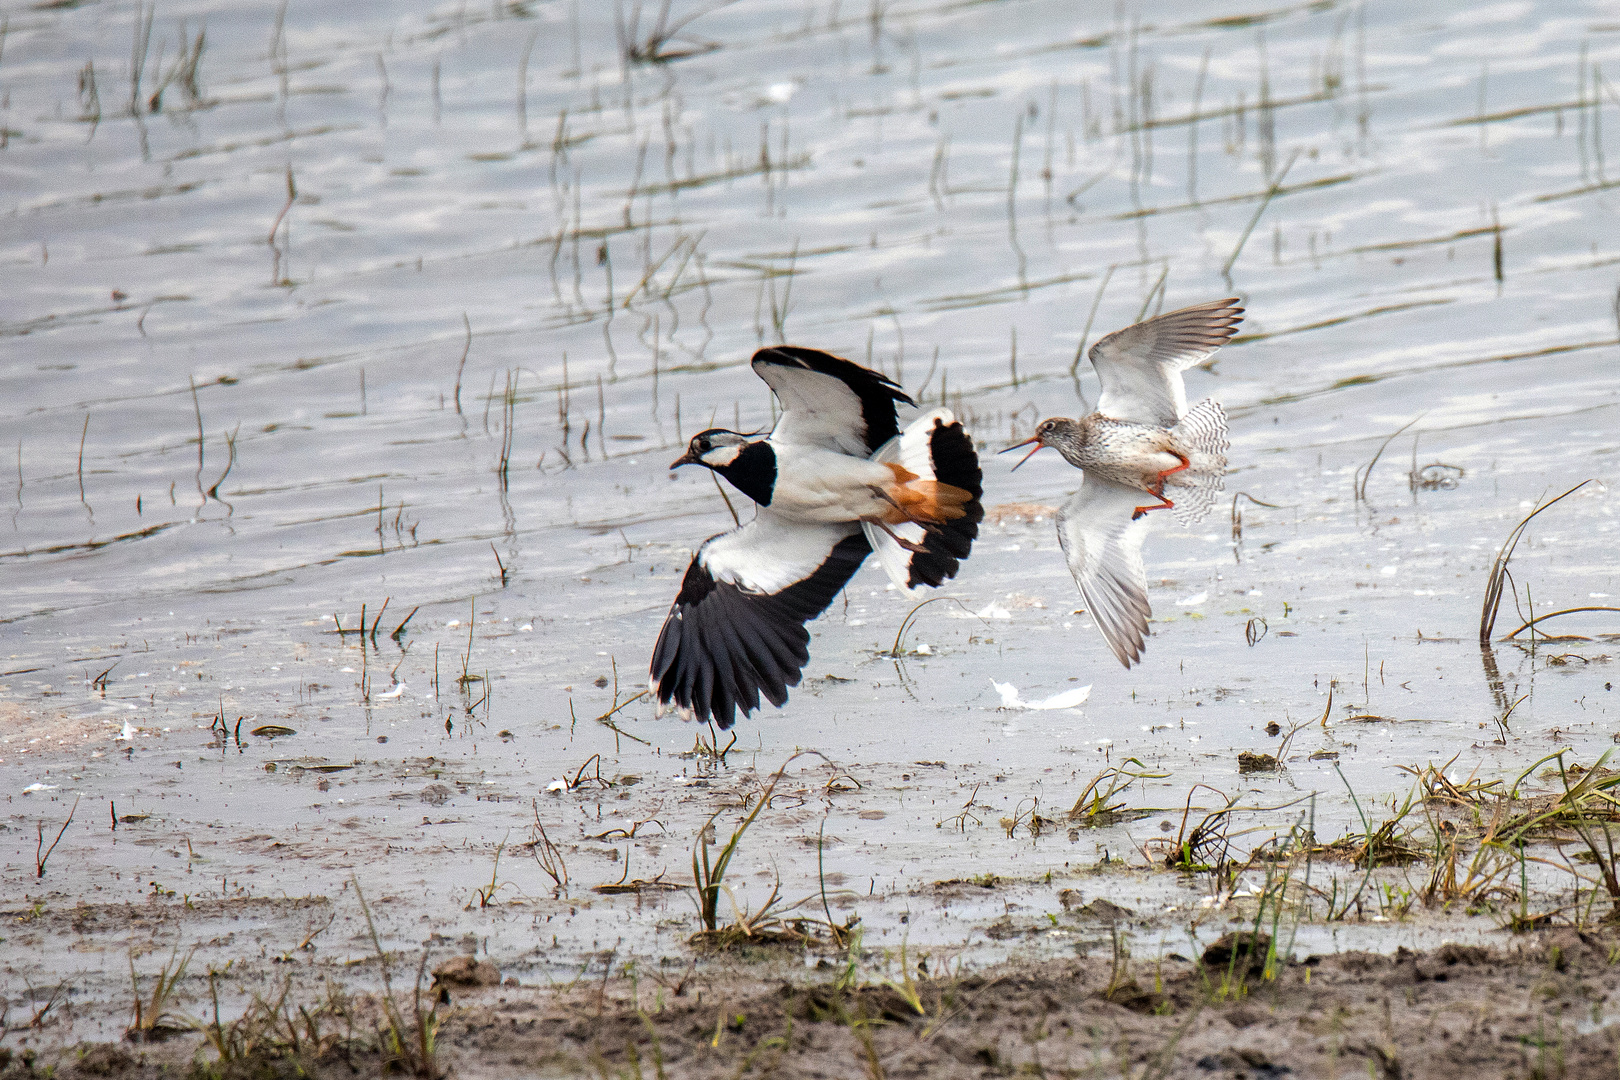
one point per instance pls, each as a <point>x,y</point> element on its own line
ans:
<point>1493,677</point>
<point>333,308</point>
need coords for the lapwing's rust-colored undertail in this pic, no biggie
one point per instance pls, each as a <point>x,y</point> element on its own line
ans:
<point>1142,444</point>
<point>836,480</point>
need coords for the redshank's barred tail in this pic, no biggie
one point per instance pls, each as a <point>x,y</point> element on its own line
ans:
<point>935,450</point>
<point>1202,434</point>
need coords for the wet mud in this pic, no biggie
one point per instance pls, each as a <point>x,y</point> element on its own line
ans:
<point>1540,1008</point>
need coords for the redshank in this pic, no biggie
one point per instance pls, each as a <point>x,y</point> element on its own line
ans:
<point>1142,441</point>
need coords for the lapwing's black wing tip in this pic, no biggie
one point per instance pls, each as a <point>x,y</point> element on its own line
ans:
<point>826,363</point>
<point>721,648</point>
<point>956,463</point>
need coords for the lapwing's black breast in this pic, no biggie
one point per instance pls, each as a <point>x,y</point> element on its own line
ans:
<point>753,472</point>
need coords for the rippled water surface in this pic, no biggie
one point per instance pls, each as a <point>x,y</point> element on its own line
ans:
<point>314,309</point>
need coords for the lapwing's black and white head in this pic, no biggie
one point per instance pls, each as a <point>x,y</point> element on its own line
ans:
<point>749,465</point>
<point>715,448</point>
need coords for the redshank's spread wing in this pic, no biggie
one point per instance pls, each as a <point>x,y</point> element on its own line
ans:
<point>828,401</point>
<point>1104,549</point>
<point>736,631</point>
<point>1141,366</point>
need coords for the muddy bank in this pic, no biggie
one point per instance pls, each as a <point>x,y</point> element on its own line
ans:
<point>1456,1011</point>
<point>1539,1006</point>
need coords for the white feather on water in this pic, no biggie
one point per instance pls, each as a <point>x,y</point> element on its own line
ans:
<point>1069,699</point>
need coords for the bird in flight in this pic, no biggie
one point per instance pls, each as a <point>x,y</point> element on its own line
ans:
<point>1141,447</point>
<point>837,479</point>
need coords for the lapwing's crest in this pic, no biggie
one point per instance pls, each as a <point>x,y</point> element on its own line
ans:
<point>835,480</point>
<point>1141,441</point>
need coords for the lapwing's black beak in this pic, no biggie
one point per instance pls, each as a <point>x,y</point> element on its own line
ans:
<point>1039,446</point>
<point>685,459</point>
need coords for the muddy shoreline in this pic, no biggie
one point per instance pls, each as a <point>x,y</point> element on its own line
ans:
<point>1540,1005</point>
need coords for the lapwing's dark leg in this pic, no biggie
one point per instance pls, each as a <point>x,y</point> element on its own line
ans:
<point>884,495</point>
<point>902,541</point>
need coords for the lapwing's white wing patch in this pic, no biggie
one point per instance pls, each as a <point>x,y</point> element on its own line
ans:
<point>1140,366</point>
<point>828,401</point>
<point>768,554</point>
<point>896,560</point>
<point>817,410</point>
<point>913,449</point>
<point>910,449</point>
<point>1069,699</point>
<point>1104,549</point>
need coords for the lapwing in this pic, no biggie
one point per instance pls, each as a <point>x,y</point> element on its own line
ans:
<point>1142,441</point>
<point>834,481</point>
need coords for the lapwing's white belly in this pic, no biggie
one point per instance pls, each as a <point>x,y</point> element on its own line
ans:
<point>818,485</point>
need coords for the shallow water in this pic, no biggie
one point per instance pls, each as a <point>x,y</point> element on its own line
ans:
<point>267,347</point>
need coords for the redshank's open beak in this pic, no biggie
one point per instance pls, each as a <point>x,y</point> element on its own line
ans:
<point>684,459</point>
<point>1039,446</point>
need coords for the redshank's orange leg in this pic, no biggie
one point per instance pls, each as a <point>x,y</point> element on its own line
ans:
<point>1162,504</point>
<point>1185,463</point>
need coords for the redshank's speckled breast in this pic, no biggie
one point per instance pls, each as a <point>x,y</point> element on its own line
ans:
<point>1122,451</point>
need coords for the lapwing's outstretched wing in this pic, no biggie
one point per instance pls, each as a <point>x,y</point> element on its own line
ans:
<point>1140,366</point>
<point>829,402</point>
<point>1104,548</point>
<point>736,630</point>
